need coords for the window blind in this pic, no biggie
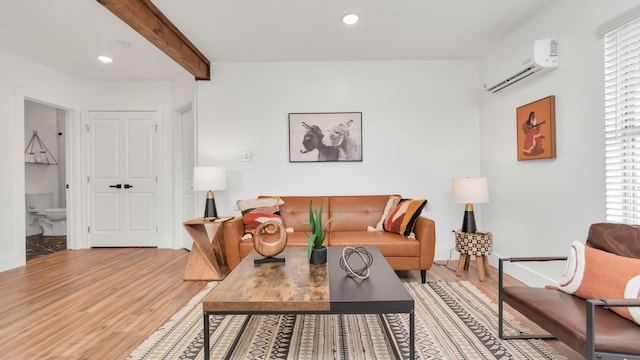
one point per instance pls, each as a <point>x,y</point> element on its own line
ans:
<point>622,122</point>
<point>619,20</point>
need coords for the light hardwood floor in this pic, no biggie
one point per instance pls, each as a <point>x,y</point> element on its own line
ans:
<point>102,303</point>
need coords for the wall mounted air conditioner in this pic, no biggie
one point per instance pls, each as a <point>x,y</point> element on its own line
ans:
<point>532,60</point>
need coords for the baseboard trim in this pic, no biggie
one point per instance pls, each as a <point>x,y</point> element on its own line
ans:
<point>519,271</point>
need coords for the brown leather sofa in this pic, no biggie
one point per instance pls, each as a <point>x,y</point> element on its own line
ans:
<point>584,325</point>
<point>348,229</point>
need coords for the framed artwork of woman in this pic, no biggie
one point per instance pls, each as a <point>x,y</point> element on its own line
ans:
<point>536,129</point>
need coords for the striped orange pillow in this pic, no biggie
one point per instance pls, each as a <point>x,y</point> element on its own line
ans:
<point>402,219</point>
<point>597,274</point>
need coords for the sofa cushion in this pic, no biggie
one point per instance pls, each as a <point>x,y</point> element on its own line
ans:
<point>295,211</point>
<point>403,217</point>
<point>597,274</point>
<point>357,212</point>
<point>389,244</point>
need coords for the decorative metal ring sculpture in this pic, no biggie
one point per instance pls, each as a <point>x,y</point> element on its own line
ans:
<point>367,260</point>
<point>264,241</point>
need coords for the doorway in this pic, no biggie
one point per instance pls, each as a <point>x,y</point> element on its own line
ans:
<point>122,179</point>
<point>45,179</point>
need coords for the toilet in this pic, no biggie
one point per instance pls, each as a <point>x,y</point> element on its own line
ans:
<point>53,221</point>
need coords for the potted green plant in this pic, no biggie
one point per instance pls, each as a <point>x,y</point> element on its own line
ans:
<point>317,252</point>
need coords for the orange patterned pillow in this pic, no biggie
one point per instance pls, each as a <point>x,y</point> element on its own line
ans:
<point>258,211</point>
<point>403,217</point>
<point>597,274</point>
<point>391,205</point>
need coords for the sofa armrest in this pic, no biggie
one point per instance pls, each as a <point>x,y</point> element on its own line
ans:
<point>232,235</point>
<point>425,231</point>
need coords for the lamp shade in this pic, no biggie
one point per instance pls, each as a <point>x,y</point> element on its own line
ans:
<point>209,178</point>
<point>470,190</point>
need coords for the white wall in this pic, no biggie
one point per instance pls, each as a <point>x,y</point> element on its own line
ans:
<point>182,136</point>
<point>539,207</point>
<point>420,126</point>
<point>183,90</point>
<point>20,78</point>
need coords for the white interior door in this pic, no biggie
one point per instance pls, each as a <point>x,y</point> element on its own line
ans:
<point>188,152</point>
<point>122,179</point>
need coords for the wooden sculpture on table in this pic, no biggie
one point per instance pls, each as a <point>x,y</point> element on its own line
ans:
<point>269,240</point>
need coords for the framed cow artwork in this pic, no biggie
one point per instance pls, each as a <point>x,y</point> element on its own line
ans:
<point>319,137</point>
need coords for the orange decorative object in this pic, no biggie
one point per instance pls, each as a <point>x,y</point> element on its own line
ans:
<point>270,238</point>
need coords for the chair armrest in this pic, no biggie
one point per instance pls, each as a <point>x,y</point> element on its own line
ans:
<point>425,231</point>
<point>591,317</point>
<point>523,259</point>
<point>232,235</point>
<point>535,258</point>
<point>616,302</point>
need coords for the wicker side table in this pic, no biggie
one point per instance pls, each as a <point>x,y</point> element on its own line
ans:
<point>478,244</point>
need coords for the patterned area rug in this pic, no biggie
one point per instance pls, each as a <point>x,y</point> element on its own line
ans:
<point>454,320</point>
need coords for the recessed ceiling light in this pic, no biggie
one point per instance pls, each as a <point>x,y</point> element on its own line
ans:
<point>350,19</point>
<point>105,59</point>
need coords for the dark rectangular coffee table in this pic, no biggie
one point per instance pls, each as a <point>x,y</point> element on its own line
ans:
<point>295,287</point>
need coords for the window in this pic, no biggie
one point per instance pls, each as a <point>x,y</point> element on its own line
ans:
<point>622,122</point>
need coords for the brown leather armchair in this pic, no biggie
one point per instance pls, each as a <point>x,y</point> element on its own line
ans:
<point>584,325</point>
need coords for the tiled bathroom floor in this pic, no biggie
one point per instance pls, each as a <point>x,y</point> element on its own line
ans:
<point>38,245</point>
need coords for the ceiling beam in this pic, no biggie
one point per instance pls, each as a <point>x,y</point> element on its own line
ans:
<point>150,22</point>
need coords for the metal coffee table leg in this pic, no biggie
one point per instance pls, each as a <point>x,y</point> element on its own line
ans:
<point>207,355</point>
<point>412,335</point>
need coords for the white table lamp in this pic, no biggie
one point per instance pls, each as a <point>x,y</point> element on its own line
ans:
<point>209,179</point>
<point>469,191</point>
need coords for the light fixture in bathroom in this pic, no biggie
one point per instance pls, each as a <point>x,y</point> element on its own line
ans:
<point>350,19</point>
<point>105,59</point>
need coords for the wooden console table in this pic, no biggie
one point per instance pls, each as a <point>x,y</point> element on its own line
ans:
<point>207,260</point>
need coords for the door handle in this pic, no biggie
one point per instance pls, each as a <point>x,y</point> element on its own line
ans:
<point>117,186</point>
<point>127,186</point>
